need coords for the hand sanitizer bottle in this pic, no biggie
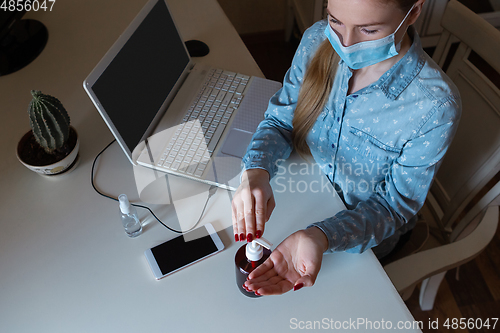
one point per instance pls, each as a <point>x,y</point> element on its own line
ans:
<point>129,217</point>
<point>248,258</point>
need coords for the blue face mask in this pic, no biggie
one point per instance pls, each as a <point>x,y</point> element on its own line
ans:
<point>367,53</point>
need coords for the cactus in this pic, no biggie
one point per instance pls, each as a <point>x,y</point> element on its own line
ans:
<point>49,121</point>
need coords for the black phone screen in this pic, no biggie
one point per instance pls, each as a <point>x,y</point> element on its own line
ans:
<point>183,250</point>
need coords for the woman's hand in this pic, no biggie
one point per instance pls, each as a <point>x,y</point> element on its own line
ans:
<point>252,205</point>
<point>293,264</point>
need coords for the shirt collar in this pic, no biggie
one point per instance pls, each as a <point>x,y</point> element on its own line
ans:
<point>396,79</point>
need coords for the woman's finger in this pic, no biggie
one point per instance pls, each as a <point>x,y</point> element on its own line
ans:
<point>260,213</point>
<point>304,281</point>
<point>266,214</point>
<point>270,207</point>
<point>275,289</point>
<point>255,285</point>
<point>264,271</point>
<point>234,219</point>
<point>249,215</point>
<point>240,219</point>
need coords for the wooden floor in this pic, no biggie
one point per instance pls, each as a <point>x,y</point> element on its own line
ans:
<point>476,294</point>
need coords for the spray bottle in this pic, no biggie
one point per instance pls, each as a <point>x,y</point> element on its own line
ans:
<point>248,258</point>
<point>129,217</point>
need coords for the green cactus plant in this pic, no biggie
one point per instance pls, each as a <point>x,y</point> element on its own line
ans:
<point>49,121</point>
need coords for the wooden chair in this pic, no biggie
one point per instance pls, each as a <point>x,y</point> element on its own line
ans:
<point>467,217</point>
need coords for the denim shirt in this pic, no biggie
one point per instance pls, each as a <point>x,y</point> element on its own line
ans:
<point>380,146</point>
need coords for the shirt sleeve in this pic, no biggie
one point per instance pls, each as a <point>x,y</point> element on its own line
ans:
<point>403,191</point>
<point>272,141</point>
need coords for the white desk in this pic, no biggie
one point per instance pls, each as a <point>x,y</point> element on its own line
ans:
<point>66,265</point>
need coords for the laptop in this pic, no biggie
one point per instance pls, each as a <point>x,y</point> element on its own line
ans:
<point>171,114</point>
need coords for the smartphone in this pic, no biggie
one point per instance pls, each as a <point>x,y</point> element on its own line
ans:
<point>184,250</point>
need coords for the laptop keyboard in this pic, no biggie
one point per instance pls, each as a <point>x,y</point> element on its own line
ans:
<point>195,139</point>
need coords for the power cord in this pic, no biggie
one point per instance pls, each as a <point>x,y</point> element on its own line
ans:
<point>211,192</point>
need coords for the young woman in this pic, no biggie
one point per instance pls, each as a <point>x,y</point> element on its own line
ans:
<point>377,115</point>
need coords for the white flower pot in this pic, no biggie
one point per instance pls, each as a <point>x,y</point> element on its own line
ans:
<point>56,168</point>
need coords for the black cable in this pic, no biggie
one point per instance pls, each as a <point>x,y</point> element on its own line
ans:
<point>211,192</point>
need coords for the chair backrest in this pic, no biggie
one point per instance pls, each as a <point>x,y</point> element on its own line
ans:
<point>473,158</point>
<point>466,189</point>
<point>407,272</point>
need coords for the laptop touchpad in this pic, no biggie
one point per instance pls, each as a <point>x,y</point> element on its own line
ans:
<point>237,142</point>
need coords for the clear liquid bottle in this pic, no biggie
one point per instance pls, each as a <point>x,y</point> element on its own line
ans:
<point>249,257</point>
<point>129,217</point>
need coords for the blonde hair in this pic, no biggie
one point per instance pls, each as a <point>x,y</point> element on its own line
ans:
<point>313,95</point>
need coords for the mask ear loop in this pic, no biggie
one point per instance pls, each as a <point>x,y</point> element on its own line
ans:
<point>400,24</point>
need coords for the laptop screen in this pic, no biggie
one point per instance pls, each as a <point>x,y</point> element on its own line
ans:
<point>136,83</point>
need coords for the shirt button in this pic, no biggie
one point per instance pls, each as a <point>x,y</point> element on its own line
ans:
<point>333,145</point>
<point>330,166</point>
<point>338,119</point>
<point>355,96</point>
